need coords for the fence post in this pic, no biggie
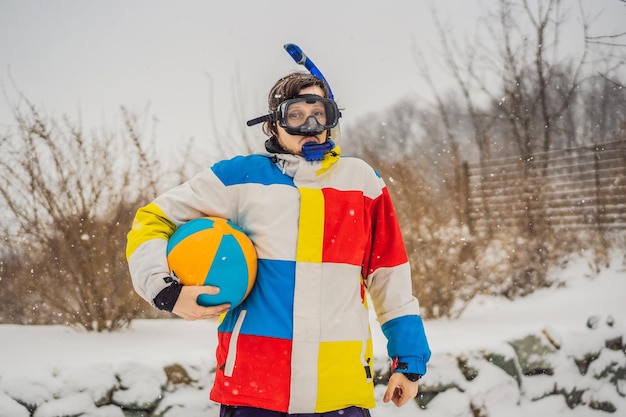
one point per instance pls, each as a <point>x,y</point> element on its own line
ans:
<point>466,198</point>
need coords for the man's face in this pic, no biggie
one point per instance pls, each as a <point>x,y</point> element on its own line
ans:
<point>297,115</point>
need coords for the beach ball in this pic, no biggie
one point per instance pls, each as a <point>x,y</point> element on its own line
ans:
<point>213,251</point>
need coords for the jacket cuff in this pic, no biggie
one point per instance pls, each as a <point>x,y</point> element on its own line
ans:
<point>407,344</point>
<point>409,365</point>
<point>166,299</point>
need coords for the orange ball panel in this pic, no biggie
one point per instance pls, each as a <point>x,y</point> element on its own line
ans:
<point>194,256</point>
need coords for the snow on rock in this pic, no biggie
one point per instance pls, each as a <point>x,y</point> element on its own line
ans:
<point>98,381</point>
<point>140,386</point>
<point>104,411</point>
<point>70,405</point>
<point>11,408</point>
<point>32,389</point>
<point>186,402</point>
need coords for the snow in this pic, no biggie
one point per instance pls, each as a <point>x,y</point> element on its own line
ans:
<point>62,359</point>
<point>494,319</point>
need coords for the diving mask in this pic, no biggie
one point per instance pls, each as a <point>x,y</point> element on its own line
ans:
<point>305,115</point>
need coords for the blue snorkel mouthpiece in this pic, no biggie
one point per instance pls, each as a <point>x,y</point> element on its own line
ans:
<point>313,151</point>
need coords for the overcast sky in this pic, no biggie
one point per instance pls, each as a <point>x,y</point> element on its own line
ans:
<point>185,60</point>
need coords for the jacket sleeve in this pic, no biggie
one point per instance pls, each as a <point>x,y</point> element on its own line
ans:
<point>146,249</point>
<point>388,278</point>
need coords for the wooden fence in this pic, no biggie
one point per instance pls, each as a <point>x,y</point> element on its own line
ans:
<point>569,188</point>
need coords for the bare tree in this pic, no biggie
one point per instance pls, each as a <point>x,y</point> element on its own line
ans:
<point>69,199</point>
<point>517,92</point>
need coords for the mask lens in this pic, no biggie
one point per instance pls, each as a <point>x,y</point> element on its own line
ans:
<point>308,114</point>
<point>298,113</point>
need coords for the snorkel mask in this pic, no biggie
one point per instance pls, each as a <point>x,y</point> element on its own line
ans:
<point>305,115</point>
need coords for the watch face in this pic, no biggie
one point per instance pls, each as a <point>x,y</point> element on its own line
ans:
<point>413,377</point>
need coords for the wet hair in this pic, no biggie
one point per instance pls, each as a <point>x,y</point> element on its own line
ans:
<point>289,87</point>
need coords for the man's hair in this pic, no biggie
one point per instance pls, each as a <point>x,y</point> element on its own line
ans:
<point>289,87</point>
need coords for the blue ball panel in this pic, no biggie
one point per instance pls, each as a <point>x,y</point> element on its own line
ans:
<point>229,272</point>
<point>188,229</point>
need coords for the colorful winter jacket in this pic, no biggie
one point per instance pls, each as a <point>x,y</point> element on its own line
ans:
<point>325,233</point>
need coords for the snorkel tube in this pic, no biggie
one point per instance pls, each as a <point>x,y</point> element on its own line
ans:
<point>300,58</point>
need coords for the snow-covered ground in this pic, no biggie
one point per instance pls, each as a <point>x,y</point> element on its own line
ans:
<point>44,352</point>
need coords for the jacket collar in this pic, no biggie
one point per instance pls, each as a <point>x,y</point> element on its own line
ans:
<point>296,166</point>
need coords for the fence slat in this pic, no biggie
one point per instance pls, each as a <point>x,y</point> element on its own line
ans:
<point>577,187</point>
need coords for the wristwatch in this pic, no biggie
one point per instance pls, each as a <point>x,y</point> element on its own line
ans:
<point>412,377</point>
<point>396,365</point>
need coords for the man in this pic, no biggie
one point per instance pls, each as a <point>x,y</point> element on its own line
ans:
<point>325,233</point>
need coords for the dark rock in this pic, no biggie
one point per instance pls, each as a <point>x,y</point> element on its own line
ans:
<point>615,343</point>
<point>508,365</point>
<point>592,322</point>
<point>603,406</point>
<point>533,355</point>
<point>583,363</point>
<point>468,371</point>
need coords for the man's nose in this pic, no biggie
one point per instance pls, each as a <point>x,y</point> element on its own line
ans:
<point>311,123</point>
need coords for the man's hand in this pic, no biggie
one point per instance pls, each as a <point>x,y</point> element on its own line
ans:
<point>188,308</point>
<point>400,390</point>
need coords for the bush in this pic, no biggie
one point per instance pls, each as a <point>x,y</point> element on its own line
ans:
<point>69,199</point>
